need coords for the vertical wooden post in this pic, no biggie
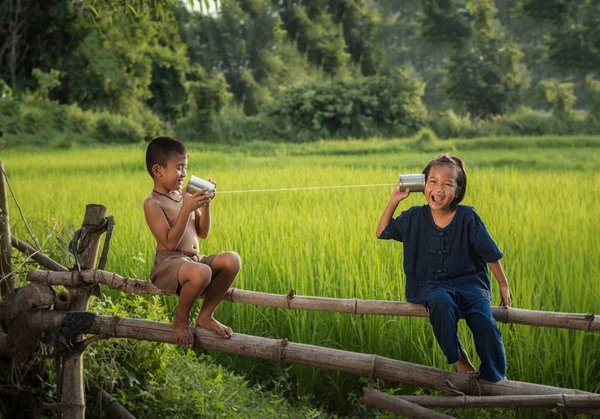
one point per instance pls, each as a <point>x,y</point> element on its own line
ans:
<point>7,281</point>
<point>72,397</point>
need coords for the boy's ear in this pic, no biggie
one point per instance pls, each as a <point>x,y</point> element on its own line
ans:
<point>156,170</point>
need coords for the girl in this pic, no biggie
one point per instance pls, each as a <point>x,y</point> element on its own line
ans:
<point>447,250</point>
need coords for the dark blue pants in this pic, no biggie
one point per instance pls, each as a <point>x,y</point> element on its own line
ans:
<point>446,306</point>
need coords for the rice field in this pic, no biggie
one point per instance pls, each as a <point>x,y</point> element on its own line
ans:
<point>541,205</point>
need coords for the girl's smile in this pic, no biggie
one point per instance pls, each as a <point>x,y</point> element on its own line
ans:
<point>440,187</point>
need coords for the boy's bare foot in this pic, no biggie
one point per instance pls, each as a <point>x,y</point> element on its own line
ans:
<point>464,366</point>
<point>181,332</point>
<point>211,324</point>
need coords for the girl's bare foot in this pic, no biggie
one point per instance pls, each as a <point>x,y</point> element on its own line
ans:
<point>209,323</point>
<point>181,332</point>
<point>464,366</point>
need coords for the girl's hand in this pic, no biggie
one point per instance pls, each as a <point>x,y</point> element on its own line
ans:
<point>398,195</point>
<point>505,300</point>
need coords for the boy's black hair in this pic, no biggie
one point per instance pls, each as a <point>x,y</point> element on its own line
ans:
<point>461,174</point>
<point>161,149</point>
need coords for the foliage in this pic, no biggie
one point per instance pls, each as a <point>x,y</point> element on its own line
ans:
<point>359,108</point>
<point>334,32</point>
<point>208,95</point>
<point>559,95</point>
<point>482,74</point>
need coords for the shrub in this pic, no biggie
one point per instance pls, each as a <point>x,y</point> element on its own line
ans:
<point>448,124</point>
<point>118,129</point>
<point>386,105</point>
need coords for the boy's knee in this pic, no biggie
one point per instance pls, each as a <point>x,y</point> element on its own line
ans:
<point>200,275</point>
<point>233,261</point>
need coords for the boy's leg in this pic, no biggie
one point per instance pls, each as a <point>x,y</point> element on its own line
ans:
<point>488,341</point>
<point>193,278</point>
<point>225,266</point>
<point>443,316</point>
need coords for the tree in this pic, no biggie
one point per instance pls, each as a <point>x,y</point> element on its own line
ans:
<point>482,73</point>
<point>574,40</point>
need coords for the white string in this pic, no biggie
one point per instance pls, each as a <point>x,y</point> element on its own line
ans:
<point>306,188</point>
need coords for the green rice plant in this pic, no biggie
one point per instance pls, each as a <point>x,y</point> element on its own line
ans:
<point>540,204</point>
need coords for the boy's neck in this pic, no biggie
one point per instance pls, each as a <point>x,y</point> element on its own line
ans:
<point>158,187</point>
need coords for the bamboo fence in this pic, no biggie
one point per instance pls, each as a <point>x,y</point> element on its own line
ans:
<point>573,403</point>
<point>367,365</point>
<point>589,322</point>
<point>398,406</point>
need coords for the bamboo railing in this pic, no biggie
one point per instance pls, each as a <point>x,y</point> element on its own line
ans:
<point>588,322</point>
<point>367,365</point>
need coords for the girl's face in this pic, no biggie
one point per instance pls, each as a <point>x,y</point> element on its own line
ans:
<point>173,174</point>
<point>440,187</point>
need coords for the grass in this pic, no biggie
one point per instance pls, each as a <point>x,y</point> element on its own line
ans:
<point>539,199</point>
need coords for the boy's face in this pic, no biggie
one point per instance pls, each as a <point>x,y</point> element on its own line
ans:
<point>173,174</point>
<point>440,187</point>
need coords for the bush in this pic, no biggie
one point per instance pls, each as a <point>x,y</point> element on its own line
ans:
<point>230,126</point>
<point>448,124</point>
<point>118,129</point>
<point>385,105</point>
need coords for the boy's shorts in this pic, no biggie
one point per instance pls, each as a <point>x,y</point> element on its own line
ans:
<point>166,268</point>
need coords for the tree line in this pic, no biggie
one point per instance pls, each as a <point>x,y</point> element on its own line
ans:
<point>293,69</point>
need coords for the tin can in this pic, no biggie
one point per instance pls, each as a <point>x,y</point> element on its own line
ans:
<point>195,184</point>
<point>416,182</point>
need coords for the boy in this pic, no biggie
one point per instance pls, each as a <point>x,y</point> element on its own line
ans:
<point>176,222</point>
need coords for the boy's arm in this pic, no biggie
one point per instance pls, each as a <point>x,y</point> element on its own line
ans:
<point>203,222</point>
<point>388,212</point>
<point>496,268</point>
<point>203,218</point>
<point>170,237</point>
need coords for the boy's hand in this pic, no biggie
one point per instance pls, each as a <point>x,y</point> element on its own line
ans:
<point>192,202</point>
<point>214,192</point>
<point>505,300</point>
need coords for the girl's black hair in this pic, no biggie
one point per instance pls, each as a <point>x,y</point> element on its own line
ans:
<point>461,174</point>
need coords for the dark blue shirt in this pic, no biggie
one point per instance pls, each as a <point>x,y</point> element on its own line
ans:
<point>455,256</point>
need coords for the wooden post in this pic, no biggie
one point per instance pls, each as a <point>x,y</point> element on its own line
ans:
<point>72,395</point>
<point>7,281</point>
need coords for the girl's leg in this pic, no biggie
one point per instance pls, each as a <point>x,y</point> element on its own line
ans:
<point>443,316</point>
<point>488,341</point>
<point>225,266</point>
<point>193,278</point>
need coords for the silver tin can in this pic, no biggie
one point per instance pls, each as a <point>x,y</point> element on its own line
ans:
<point>195,184</point>
<point>416,183</point>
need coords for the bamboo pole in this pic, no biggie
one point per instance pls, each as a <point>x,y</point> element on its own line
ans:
<point>7,280</point>
<point>72,397</point>
<point>372,366</point>
<point>570,402</point>
<point>575,321</point>
<point>110,404</point>
<point>37,255</point>
<point>398,406</point>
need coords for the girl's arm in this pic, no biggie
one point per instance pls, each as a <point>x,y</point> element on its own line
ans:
<point>388,212</point>
<point>496,268</point>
